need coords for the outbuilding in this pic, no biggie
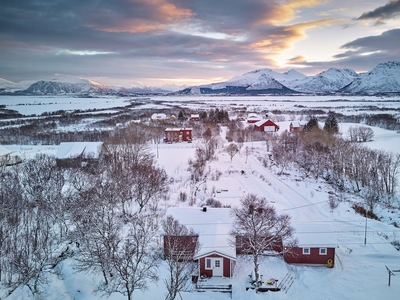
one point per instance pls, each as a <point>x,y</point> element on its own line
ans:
<point>175,135</point>
<point>316,246</point>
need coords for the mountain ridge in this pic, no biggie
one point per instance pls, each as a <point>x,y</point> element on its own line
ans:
<point>382,79</point>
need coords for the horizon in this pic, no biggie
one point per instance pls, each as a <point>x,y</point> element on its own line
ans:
<point>164,42</point>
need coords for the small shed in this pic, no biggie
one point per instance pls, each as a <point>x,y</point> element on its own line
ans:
<point>295,126</point>
<point>4,155</point>
<point>316,245</point>
<point>76,154</point>
<point>175,135</point>
<point>216,256</point>
<point>266,126</point>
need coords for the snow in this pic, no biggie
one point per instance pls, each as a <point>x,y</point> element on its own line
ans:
<point>212,225</point>
<point>74,149</point>
<point>359,271</point>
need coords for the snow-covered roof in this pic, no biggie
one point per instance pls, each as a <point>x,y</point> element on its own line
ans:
<point>158,116</point>
<point>177,129</point>
<point>316,235</point>
<point>296,124</point>
<point>261,122</point>
<point>74,149</point>
<point>4,151</point>
<point>212,225</point>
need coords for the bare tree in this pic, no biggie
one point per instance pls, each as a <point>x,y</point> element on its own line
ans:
<point>134,262</point>
<point>232,150</point>
<point>180,246</point>
<point>259,228</point>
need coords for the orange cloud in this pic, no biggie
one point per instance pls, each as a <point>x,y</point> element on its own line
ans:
<point>299,59</point>
<point>287,12</point>
<point>157,14</point>
<point>283,37</point>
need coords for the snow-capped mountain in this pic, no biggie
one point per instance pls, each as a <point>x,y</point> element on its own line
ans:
<point>328,81</point>
<point>384,78</point>
<point>7,86</point>
<point>255,82</point>
<point>66,85</point>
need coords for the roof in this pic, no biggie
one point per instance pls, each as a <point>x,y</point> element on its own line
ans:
<point>177,129</point>
<point>296,124</point>
<point>158,116</point>
<point>4,151</point>
<point>213,227</point>
<point>262,122</point>
<point>74,149</point>
<point>315,235</point>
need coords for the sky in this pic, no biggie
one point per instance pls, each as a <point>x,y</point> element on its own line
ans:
<point>192,42</point>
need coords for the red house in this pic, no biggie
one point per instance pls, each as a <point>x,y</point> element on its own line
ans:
<point>194,117</point>
<point>216,256</point>
<point>266,126</point>
<point>295,126</point>
<point>316,246</point>
<point>174,135</point>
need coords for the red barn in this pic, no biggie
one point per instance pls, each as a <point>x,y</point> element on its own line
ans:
<point>266,126</point>
<point>194,117</point>
<point>174,135</point>
<point>316,246</point>
<point>216,256</point>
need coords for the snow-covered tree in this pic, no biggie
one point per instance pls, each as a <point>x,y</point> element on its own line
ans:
<point>259,228</point>
<point>331,124</point>
<point>180,246</point>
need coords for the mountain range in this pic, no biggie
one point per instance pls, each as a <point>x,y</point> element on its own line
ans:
<point>383,79</point>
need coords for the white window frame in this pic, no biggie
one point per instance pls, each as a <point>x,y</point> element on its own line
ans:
<point>306,251</point>
<point>326,251</point>
<point>208,260</point>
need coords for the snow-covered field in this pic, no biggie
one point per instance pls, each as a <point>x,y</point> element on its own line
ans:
<point>359,272</point>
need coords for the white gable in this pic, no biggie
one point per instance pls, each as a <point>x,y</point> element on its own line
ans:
<point>213,227</point>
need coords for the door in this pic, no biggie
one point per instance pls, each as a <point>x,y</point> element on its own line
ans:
<point>217,266</point>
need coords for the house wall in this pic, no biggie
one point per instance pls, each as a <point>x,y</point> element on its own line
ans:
<point>296,256</point>
<point>182,246</point>
<point>178,135</point>
<point>209,273</point>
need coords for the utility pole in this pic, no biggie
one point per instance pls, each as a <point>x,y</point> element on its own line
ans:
<point>366,218</point>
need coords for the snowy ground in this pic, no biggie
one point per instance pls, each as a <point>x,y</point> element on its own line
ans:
<point>359,272</point>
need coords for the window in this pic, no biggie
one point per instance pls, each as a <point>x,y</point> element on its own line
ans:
<point>306,250</point>
<point>322,251</point>
<point>208,264</point>
<point>217,263</point>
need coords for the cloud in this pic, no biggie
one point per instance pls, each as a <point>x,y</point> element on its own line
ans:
<point>389,11</point>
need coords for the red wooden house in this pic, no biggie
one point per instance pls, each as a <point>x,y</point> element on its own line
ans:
<point>216,256</point>
<point>266,126</point>
<point>194,117</point>
<point>295,126</point>
<point>316,246</point>
<point>174,135</point>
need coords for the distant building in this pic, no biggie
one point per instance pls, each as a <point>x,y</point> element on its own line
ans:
<point>194,117</point>
<point>266,126</point>
<point>77,154</point>
<point>253,118</point>
<point>295,126</point>
<point>158,117</point>
<point>175,135</point>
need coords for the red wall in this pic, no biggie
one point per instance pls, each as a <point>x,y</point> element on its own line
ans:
<point>226,266</point>
<point>296,256</point>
